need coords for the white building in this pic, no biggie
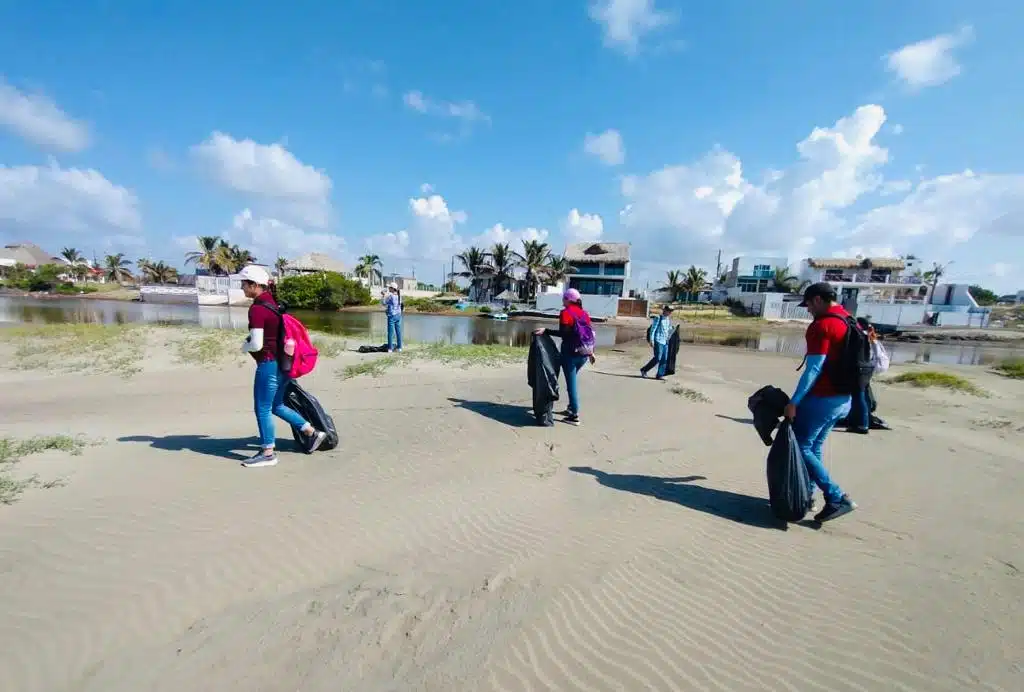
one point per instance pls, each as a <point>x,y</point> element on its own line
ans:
<point>753,274</point>
<point>867,279</point>
<point>600,272</point>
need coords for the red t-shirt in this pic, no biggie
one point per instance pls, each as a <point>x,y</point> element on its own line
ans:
<point>260,317</point>
<point>826,336</point>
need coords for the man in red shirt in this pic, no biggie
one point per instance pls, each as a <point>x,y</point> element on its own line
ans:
<point>817,404</point>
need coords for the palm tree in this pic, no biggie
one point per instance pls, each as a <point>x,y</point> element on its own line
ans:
<point>783,281</point>
<point>370,267</point>
<point>933,275</point>
<point>474,265</point>
<point>557,269</point>
<point>280,264</point>
<point>230,258</point>
<point>72,255</point>
<point>674,284</point>
<point>503,260</point>
<point>694,282</point>
<point>159,273</point>
<point>206,256</point>
<point>535,258</point>
<point>116,267</point>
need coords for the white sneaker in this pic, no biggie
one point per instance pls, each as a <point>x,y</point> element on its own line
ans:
<point>261,459</point>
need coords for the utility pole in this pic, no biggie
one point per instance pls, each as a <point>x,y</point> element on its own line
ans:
<point>718,266</point>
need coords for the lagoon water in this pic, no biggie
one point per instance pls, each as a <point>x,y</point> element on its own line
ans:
<point>372,327</point>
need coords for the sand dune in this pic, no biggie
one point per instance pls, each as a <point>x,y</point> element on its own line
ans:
<point>449,545</point>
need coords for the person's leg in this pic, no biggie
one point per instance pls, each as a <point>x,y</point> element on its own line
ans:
<point>293,417</point>
<point>859,412</point>
<point>398,333</point>
<point>662,354</point>
<point>263,391</point>
<point>570,370</point>
<point>815,418</point>
<point>391,334</point>
<point>652,363</point>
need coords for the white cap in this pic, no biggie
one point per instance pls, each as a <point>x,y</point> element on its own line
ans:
<point>256,274</point>
<point>393,285</point>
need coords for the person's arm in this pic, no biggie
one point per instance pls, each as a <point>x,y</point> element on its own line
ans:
<point>814,363</point>
<point>565,325</point>
<point>254,342</point>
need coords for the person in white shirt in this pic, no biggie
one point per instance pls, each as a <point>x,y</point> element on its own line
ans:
<point>860,419</point>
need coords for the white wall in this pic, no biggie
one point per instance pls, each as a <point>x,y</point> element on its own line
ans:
<point>597,306</point>
<point>900,314</point>
<point>960,296</point>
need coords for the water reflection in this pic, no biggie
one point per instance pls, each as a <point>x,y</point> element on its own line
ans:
<point>372,327</point>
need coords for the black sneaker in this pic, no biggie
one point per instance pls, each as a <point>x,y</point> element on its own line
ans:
<point>834,511</point>
<point>857,431</point>
<point>572,419</point>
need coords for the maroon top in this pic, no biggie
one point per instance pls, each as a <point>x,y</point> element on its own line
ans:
<point>260,317</point>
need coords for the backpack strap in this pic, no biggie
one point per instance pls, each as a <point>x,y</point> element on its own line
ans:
<point>280,320</point>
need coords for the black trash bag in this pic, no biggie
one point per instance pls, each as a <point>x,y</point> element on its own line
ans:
<point>309,407</point>
<point>767,405</point>
<point>383,348</point>
<point>542,375</point>
<point>788,482</point>
<point>673,351</point>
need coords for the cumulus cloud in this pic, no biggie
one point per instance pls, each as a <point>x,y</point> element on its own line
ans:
<point>269,175</point>
<point>929,62</point>
<point>580,227</point>
<point>39,120</point>
<point>624,23</point>
<point>607,147</point>
<point>46,202</point>
<point>432,233</point>
<point>499,233</point>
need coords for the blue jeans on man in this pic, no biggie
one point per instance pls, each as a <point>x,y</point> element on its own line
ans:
<point>572,363</point>
<point>268,390</point>
<point>860,411</point>
<point>394,333</point>
<point>815,418</point>
<point>660,360</point>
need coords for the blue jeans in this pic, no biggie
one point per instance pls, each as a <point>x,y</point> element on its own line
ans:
<point>860,412</point>
<point>572,363</point>
<point>268,391</point>
<point>660,359</point>
<point>815,418</point>
<point>394,332</point>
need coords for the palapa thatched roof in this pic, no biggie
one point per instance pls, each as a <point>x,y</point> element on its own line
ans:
<point>856,263</point>
<point>595,253</point>
<point>315,262</point>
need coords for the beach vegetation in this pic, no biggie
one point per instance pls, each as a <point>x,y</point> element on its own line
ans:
<point>322,291</point>
<point>924,379</point>
<point>1011,367</point>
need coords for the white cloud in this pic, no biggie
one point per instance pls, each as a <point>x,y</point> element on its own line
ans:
<point>38,119</point>
<point>930,62</point>
<point>897,129</point>
<point>466,111</point>
<point>828,201</point>
<point>607,146</point>
<point>426,188</point>
<point>269,238</point>
<point>431,235</point>
<point>268,173</point>
<point>47,200</point>
<point>626,22</point>
<point>498,233</point>
<point>580,228</point>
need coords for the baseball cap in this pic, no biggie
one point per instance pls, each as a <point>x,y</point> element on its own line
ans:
<point>256,274</point>
<point>571,294</point>
<point>393,285</point>
<point>821,289</point>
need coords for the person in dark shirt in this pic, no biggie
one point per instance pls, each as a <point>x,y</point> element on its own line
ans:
<point>271,382</point>
<point>571,361</point>
<point>817,405</point>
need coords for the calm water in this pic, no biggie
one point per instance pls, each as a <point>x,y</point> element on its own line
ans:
<point>371,326</point>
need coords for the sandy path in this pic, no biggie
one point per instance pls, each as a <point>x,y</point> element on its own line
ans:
<point>444,547</point>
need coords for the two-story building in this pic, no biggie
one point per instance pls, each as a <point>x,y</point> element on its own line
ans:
<point>600,272</point>
<point>753,274</point>
<point>875,280</point>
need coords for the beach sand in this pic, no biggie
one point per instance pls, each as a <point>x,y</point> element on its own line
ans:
<point>448,545</point>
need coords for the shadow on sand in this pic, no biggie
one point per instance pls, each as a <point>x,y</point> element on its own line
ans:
<point>746,421</point>
<point>745,509</point>
<point>234,449</point>
<point>512,415</point>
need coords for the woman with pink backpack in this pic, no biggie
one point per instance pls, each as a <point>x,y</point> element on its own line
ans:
<point>265,343</point>
<point>577,334</point>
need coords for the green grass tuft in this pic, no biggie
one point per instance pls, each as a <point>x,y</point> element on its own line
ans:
<point>329,346</point>
<point>65,348</point>
<point>691,394</point>
<point>1011,367</point>
<point>12,451</point>
<point>463,355</point>
<point>943,380</point>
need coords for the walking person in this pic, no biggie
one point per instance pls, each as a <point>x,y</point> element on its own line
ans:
<point>393,309</point>
<point>658,335</point>
<point>859,420</point>
<point>270,383</point>
<point>572,322</point>
<point>820,401</point>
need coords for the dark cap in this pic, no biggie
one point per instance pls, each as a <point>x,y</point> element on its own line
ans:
<point>822,289</point>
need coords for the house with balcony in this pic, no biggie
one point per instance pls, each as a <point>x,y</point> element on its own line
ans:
<point>600,272</point>
<point>752,274</point>
<point>868,279</point>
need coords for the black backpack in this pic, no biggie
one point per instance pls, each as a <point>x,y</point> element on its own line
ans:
<point>852,371</point>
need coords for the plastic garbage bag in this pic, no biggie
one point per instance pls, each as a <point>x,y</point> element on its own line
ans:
<point>789,489</point>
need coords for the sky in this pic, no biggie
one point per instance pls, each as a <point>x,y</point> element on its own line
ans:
<point>413,130</point>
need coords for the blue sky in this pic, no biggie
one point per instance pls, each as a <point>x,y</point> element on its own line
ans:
<point>414,129</point>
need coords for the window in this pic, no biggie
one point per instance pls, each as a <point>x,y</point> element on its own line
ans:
<point>588,269</point>
<point>880,276</point>
<point>833,275</point>
<point>615,270</point>
<point>763,271</point>
<point>748,285</point>
<point>597,287</point>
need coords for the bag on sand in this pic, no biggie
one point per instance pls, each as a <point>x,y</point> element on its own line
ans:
<point>788,481</point>
<point>542,376</point>
<point>309,407</point>
<point>383,348</point>
<point>673,352</point>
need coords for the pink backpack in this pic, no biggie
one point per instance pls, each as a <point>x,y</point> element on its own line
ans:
<point>295,352</point>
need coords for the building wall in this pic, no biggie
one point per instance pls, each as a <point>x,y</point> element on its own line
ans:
<point>597,306</point>
<point>953,294</point>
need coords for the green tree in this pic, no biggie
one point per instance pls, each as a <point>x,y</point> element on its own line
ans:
<point>370,268</point>
<point>159,273</point>
<point>674,284</point>
<point>321,291</point>
<point>474,265</point>
<point>206,256</point>
<point>503,260</point>
<point>116,267</point>
<point>558,269</point>
<point>933,275</point>
<point>280,264</point>
<point>694,282</point>
<point>783,281</point>
<point>983,296</point>
<point>535,259</point>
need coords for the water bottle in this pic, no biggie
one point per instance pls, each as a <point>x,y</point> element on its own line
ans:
<point>289,355</point>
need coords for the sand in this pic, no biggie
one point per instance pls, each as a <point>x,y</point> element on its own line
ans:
<point>449,545</point>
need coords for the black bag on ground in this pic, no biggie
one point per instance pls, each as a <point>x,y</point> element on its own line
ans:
<point>767,405</point>
<point>542,375</point>
<point>787,477</point>
<point>309,407</point>
<point>673,351</point>
<point>383,348</point>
